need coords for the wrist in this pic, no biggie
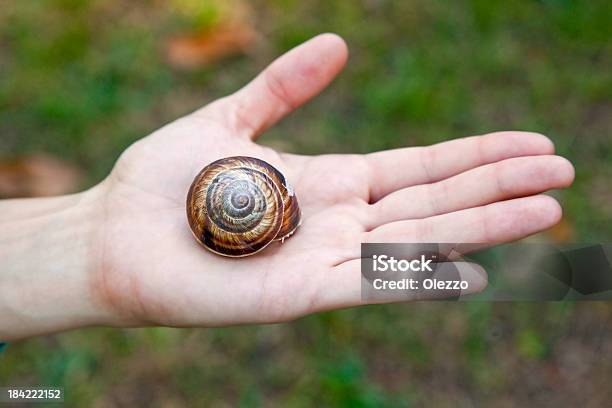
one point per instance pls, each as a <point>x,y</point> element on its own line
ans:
<point>48,256</point>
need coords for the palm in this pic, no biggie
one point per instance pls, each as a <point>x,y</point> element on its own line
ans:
<point>153,270</point>
<point>150,184</point>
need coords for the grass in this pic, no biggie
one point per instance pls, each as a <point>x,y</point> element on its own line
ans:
<point>84,79</point>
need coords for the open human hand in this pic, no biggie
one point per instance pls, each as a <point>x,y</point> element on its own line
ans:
<point>151,270</point>
<point>144,267</point>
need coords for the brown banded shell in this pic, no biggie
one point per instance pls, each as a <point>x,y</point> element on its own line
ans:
<point>236,206</point>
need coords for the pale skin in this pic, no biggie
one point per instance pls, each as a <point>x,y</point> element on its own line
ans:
<point>121,253</point>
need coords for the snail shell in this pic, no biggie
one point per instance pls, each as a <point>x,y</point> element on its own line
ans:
<point>236,206</point>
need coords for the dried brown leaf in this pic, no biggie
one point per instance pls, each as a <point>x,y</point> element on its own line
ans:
<point>195,50</point>
<point>37,175</point>
<point>564,231</point>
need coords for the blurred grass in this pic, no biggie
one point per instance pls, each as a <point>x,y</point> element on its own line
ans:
<point>84,79</point>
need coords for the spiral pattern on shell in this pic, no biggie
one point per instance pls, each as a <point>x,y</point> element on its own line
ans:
<point>236,206</point>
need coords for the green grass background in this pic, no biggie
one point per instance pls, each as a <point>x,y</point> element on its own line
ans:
<point>84,79</point>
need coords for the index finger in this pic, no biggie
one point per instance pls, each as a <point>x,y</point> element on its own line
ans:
<point>395,169</point>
